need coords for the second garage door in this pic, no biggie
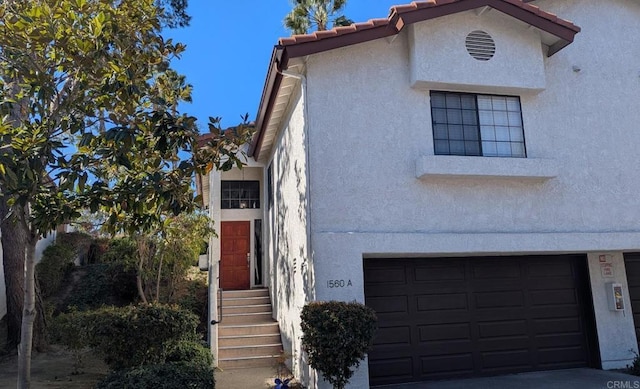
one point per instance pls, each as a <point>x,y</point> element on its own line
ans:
<point>456,317</point>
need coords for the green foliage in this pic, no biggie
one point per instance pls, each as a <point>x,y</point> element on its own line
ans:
<point>336,337</point>
<point>133,336</point>
<point>634,367</point>
<point>307,14</point>
<point>120,250</point>
<point>189,351</point>
<point>195,300</point>
<point>165,376</point>
<point>57,262</point>
<point>102,284</point>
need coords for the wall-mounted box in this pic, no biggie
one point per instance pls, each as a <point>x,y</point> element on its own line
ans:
<point>615,296</point>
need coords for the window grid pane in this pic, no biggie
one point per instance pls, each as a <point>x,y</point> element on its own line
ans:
<point>240,194</point>
<point>469,124</point>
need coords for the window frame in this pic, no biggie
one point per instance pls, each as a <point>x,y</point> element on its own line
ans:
<point>475,140</point>
<point>226,197</point>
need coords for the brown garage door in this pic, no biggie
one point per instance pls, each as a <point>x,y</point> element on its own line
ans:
<point>456,317</point>
<point>632,266</point>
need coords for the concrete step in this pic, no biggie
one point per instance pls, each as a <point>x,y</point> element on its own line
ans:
<point>236,309</point>
<point>245,293</point>
<point>248,318</point>
<point>238,301</point>
<point>251,351</point>
<point>244,363</point>
<point>227,329</point>
<point>248,340</point>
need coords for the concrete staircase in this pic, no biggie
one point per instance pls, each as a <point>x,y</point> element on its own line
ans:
<point>247,336</point>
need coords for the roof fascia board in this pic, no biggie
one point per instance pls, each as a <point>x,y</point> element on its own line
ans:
<point>279,61</point>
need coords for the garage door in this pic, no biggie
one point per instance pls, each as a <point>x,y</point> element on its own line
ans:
<point>457,317</point>
<point>632,266</point>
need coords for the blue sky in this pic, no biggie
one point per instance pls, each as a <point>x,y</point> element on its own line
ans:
<point>229,44</point>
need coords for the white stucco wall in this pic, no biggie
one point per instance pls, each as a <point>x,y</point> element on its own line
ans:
<point>617,347</point>
<point>369,126</point>
<point>291,271</point>
<point>437,60</point>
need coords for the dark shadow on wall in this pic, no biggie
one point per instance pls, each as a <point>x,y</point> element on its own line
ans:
<point>293,270</point>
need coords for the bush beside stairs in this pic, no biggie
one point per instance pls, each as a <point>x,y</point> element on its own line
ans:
<point>248,336</point>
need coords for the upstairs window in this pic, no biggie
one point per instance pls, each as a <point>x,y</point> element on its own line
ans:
<point>477,125</point>
<point>240,194</point>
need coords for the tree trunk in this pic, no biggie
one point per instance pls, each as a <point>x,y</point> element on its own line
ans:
<point>14,242</point>
<point>28,314</point>
<point>159,277</point>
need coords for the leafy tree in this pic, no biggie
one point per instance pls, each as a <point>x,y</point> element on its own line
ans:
<point>84,123</point>
<point>318,14</point>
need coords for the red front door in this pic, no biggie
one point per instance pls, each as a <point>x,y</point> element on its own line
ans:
<point>234,255</point>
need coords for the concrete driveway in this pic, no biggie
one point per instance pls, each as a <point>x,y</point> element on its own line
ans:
<point>555,379</point>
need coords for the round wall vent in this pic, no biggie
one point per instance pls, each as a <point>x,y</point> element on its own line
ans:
<point>480,45</point>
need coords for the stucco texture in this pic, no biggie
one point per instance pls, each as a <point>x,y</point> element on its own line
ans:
<point>369,125</point>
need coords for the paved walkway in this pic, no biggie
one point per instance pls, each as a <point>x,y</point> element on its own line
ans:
<point>263,377</point>
<point>252,378</point>
<point>554,379</point>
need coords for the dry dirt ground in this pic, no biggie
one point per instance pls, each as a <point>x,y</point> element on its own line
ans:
<point>54,369</point>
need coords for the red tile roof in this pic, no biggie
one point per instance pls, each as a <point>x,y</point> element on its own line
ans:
<point>399,16</point>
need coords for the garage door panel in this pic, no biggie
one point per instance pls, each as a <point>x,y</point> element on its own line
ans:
<point>494,329</point>
<point>386,276</point>
<point>554,297</point>
<point>461,363</point>
<point>557,311</point>
<point>435,302</point>
<point>501,359</point>
<point>476,316</point>
<point>443,317</point>
<point>559,340</point>
<point>390,304</point>
<point>396,336</point>
<point>504,314</point>
<point>557,325</point>
<point>544,269</point>
<point>560,355</point>
<point>492,269</point>
<point>503,343</point>
<point>459,331</point>
<point>391,370</point>
<point>502,299</point>
<point>446,347</point>
<point>454,271</point>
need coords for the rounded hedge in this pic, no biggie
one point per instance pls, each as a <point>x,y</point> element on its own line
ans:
<point>163,376</point>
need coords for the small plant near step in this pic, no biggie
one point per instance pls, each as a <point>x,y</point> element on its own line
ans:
<point>282,371</point>
<point>336,337</point>
<point>634,367</point>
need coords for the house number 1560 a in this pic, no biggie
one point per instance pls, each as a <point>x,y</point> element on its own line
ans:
<point>338,283</point>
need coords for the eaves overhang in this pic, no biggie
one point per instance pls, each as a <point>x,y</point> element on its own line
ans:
<point>298,46</point>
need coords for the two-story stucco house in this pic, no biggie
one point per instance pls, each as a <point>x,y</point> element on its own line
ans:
<point>467,168</point>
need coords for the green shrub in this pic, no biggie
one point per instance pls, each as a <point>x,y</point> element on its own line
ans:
<point>336,337</point>
<point>133,336</point>
<point>57,262</point>
<point>189,351</point>
<point>78,241</point>
<point>634,367</point>
<point>164,376</point>
<point>103,284</point>
<point>122,250</point>
<point>195,300</point>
